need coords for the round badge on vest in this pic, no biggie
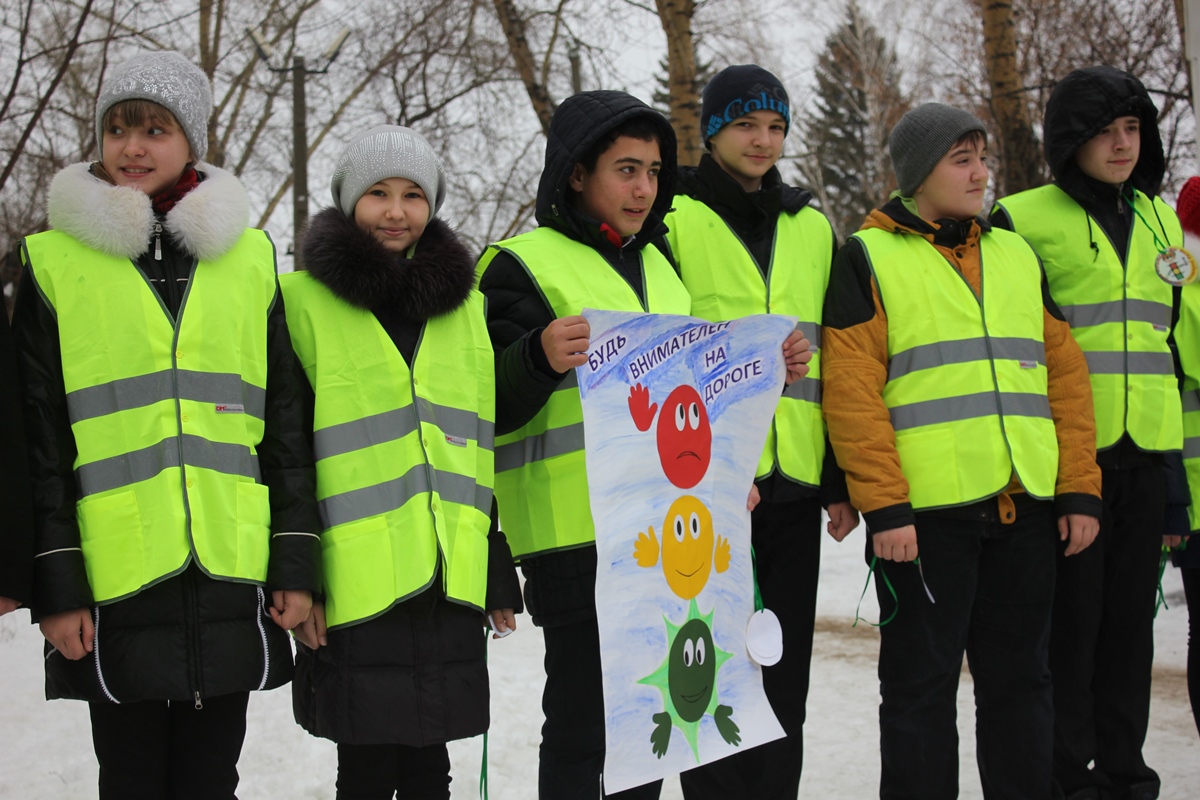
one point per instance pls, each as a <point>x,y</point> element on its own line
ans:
<point>764,638</point>
<point>1176,266</point>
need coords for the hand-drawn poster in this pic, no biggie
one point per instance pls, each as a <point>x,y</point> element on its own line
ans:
<point>676,411</point>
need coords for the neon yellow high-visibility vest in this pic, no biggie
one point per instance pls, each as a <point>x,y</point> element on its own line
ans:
<point>404,456</point>
<point>1120,315</point>
<point>1187,336</point>
<point>541,478</point>
<point>725,283</point>
<point>966,386</point>
<point>166,416</point>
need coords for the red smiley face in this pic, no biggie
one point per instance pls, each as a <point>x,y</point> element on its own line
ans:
<point>684,437</point>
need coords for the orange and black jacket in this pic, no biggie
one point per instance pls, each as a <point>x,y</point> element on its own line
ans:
<point>855,369</point>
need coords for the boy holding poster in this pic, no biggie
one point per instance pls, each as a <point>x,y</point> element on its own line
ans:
<point>607,184</point>
<point>963,421</point>
<point>746,243</point>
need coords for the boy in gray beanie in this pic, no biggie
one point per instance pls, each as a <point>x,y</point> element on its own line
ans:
<point>391,334</point>
<point>968,446</point>
<point>172,482</point>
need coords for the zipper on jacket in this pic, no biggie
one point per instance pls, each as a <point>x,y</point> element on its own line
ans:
<point>195,665</point>
<point>96,655</point>
<point>262,612</point>
<point>158,241</point>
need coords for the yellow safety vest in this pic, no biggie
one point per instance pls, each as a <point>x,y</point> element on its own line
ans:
<point>166,415</point>
<point>966,388</point>
<point>725,283</point>
<point>1119,315</point>
<point>1187,336</point>
<point>541,477</point>
<point>404,456</point>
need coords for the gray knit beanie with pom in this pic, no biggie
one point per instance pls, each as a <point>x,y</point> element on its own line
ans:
<point>922,137</point>
<point>168,79</point>
<point>387,151</point>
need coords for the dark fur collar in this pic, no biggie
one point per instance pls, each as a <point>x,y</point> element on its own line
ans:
<point>437,279</point>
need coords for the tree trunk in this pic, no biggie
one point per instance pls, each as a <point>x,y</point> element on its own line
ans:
<point>1019,151</point>
<point>676,17</point>
<point>514,30</point>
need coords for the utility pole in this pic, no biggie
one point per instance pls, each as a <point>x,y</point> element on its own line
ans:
<point>300,71</point>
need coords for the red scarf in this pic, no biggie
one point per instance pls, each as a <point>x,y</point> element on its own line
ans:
<point>164,201</point>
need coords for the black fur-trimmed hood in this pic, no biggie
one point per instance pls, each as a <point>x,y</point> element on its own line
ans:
<point>357,268</point>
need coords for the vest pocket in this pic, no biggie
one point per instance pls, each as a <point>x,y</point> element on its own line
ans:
<point>929,460</point>
<point>360,577</point>
<point>110,533</point>
<point>253,530</point>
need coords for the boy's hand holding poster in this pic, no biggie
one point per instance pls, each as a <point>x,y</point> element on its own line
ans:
<point>676,411</point>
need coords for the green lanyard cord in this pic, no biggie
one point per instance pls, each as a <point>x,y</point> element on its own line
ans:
<point>891,589</point>
<point>1158,243</point>
<point>1161,602</point>
<point>758,603</point>
<point>483,776</point>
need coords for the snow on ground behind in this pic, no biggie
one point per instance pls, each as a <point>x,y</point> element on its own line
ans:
<point>46,751</point>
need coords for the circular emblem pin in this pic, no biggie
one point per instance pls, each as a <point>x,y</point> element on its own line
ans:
<point>1176,266</point>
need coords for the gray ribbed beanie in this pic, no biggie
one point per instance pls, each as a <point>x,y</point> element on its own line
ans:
<point>922,137</point>
<point>168,79</point>
<point>387,151</point>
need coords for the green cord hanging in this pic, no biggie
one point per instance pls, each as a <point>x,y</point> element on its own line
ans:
<point>891,589</point>
<point>483,776</point>
<point>1161,602</point>
<point>758,603</point>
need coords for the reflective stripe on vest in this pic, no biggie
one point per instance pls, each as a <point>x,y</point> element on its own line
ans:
<point>966,386</point>
<point>725,283</point>
<point>1187,337</point>
<point>404,457</point>
<point>166,416</point>
<point>541,478</point>
<point>1120,315</point>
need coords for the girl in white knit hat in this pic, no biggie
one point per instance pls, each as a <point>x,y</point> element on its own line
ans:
<point>177,533</point>
<point>390,331</point>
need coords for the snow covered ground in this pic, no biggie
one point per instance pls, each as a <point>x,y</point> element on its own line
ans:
<point>46,750</point>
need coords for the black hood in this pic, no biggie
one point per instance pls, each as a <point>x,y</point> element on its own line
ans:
<point>577,124</point>
<point>1083,103</point>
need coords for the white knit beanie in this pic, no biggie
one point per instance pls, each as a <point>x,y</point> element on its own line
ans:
<point>168,79</point>
<point>387,151</point>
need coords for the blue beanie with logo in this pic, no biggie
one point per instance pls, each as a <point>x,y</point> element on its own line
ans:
<point>739,90</point>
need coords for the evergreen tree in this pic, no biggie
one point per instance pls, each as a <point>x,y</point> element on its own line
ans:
<point>858,100</point>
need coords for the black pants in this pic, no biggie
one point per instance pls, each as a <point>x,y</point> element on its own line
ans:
<point>1102,644</point>
<point>787,549</point>
<point>384,771</point>
<point>169,751</point>
<point>1191,590</point>
<point>992,587</point>
<point>572,752</point>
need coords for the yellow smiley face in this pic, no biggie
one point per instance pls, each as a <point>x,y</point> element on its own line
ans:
<point>687,548</point>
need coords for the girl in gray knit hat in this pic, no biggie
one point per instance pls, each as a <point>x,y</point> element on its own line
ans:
<point>953,403</point>
<point>177,533</point>
<point>391,333</point>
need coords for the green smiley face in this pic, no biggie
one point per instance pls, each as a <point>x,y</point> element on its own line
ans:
<point>692,670</point>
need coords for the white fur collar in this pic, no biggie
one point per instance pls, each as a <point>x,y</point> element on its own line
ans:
<point>119,221</point>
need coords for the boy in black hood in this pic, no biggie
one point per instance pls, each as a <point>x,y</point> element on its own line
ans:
<point>610,169</point>
<point>1103,237</point>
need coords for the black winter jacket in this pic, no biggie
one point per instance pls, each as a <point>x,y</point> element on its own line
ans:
<point>417,674</point>
<point>560,587</point>
<point>16,516</point>
<point>188,636</point>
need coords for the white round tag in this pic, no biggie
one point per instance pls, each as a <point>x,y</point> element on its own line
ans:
<point>1176,266</point>
<point>764,638</point>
